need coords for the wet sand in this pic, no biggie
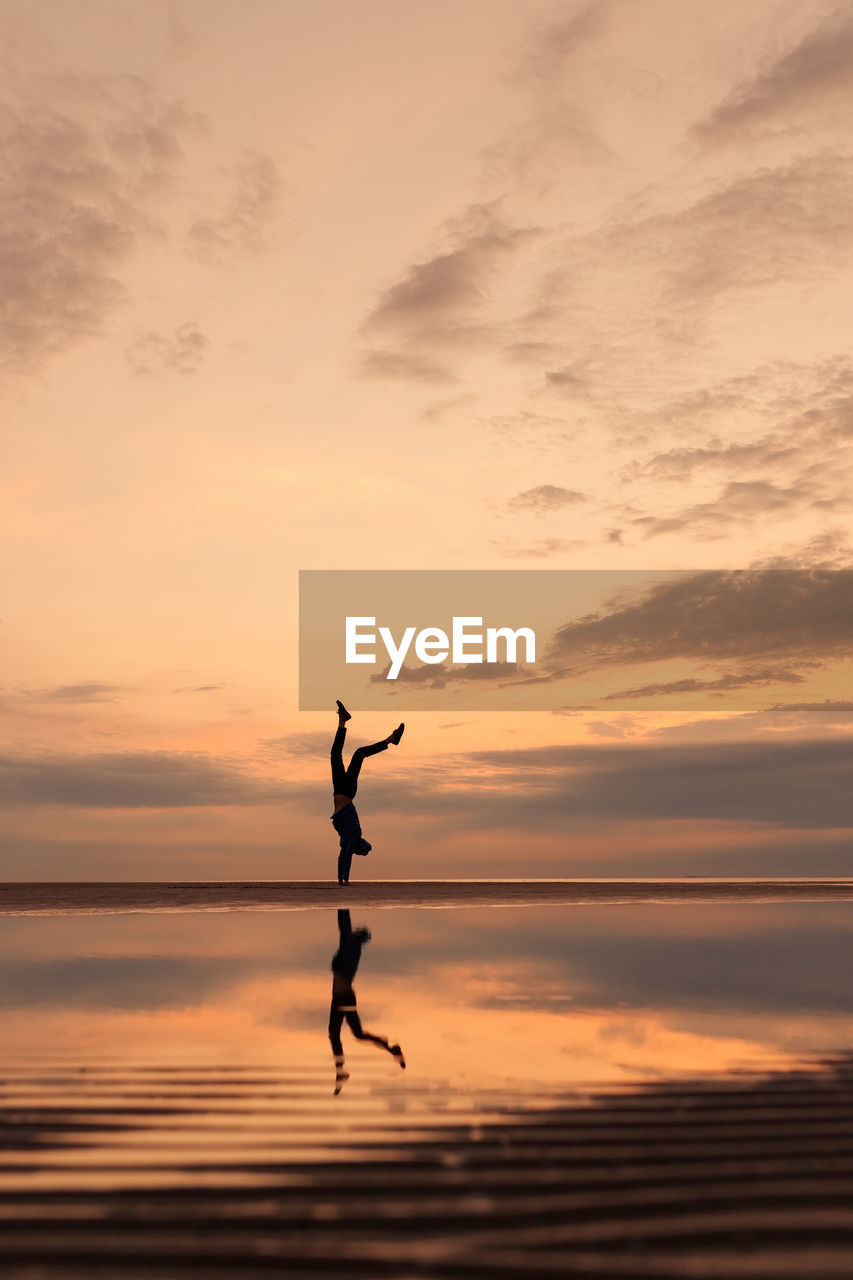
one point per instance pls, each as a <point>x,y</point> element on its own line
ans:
<point>214,1173</point>
<point>57,898</point>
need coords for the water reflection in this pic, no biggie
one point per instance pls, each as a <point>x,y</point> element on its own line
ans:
<point>597,995</point>
<point>344,1006</point>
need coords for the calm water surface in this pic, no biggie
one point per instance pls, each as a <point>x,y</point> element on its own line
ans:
<point>190,1055</point>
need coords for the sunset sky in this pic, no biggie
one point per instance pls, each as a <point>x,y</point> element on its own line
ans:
<point>498,284</point>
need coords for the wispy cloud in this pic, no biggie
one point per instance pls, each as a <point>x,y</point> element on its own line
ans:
<point>817,71</point>
<point>249,205</point>
<point>180,352</point>
<point>132,780</point>
<point>86,691</point>
<point>308,745</point>
<point>743,502</point>
<point>400,366</point>
<point>723,684</point>
<point>544,498</point>
<point>82,165</point>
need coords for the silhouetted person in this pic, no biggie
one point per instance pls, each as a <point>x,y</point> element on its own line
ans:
<point>344,787</point>
<point>344,964</point>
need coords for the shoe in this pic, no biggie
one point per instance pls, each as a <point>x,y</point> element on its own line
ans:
<point>397,1052</point>
<point>397,734</point>
<point>342,711</point>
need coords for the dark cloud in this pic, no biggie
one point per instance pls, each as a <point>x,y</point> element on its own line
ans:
<point>818,68</point>
<point>724,684</point>
<point>544,498</point>
<point>132,779</point>
<point>249,206</point>
<point>800,784</point>
<point>180,352</point>
<point>440,304</point>
<point>567,380</point>
<point>803,614</point>
<point>81,168</point>
<point>452,283</point>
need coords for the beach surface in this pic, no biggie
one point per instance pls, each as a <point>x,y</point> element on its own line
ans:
<point>41,897</point>
<point>601,1078</point>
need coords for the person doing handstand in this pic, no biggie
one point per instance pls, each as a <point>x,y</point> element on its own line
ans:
<point>343,1007</point>
<point>344,786</point>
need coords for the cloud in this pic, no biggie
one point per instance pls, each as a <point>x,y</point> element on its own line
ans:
<point>539,549</point>
<point>802,465</point>
<point>180,352</point>
<point>817,69</point>
<point>721,615</point>
<point>567,380</point>
<point>439,675</point>
<point>544,498</point>
<point>743,502</point>
<point>681,463</point>
<point>798,784</point>
<point>397,365</point>
<point>132,779</point>
<point>87,691</point>
<point>830,549</point>
<point>441,303</point>
<point>81,169</point>
<point>724,684</point>
<point>777,224</point>
<point>248,213</point>
<point>309,745</point>
<point>796,717</point>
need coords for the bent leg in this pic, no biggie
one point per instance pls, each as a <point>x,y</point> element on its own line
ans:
<point>358,758</point>
<point>354,1024</point>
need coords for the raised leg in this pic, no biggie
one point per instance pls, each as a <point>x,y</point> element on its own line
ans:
<point>339,773</point>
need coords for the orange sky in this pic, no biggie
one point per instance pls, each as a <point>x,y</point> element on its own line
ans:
<point>502,285</point>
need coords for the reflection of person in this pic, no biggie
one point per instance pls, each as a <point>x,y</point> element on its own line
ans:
<point>344,965</point>
<point>344,787</point>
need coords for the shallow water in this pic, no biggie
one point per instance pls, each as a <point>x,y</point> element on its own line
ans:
<point>565,1067</point>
